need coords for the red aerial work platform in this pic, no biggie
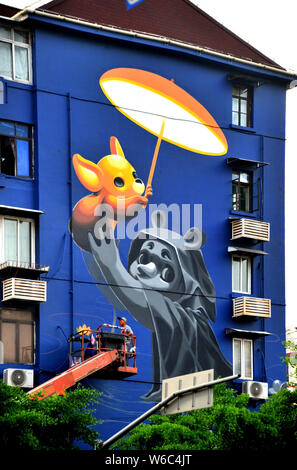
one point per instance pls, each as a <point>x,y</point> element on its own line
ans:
<point>70,377</point>
<point>110,359</point>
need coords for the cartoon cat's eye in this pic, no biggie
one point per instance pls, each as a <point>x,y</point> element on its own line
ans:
<point>167,274</point>
<point>143,258</point>
<point>119,182</point>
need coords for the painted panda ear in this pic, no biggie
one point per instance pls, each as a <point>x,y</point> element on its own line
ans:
<point>159,219</point>
<point>194,239</point>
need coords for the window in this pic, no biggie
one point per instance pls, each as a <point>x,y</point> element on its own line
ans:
<point>241,191</point>
<point>18,235</point>
<point>241,274</point>
<point>241,105</point>
<point>15,54</point>
<point>16,149</point>
<point>17,336</point>
<point>243,357</point>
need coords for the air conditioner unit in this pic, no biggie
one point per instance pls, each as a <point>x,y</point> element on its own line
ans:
<point>24,289</point>
<point>246,228</point>
<point>256,390</point>
<point>18,377</point>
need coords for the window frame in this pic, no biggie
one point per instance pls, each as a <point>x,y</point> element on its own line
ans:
<point>14,43</point>
<point>243,368</point>
<point>18,323</point>
<point>2,238</point>
<point>249,274</point>
<point>240,184</point>
<point>25,139</point>
<point>249,103</point>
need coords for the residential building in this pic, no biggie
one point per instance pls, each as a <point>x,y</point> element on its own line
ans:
<point>74,74</point>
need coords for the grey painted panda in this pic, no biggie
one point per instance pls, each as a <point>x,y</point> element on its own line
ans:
<point>167,289</point>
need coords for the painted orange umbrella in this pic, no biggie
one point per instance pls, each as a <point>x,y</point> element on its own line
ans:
<point>163,109</point>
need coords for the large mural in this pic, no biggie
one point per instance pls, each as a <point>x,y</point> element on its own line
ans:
<point>166,286</point>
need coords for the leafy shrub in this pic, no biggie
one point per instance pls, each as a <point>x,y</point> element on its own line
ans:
<point>54,423</point>
<point>227,425</point>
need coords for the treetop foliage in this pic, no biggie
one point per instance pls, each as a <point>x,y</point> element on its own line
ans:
<point>228,425</point>
<point>54,423</point>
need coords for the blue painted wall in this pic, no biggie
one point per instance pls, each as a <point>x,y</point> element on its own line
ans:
<point>70,114</point>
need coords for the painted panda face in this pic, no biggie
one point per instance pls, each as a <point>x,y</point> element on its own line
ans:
<point>157,267</point>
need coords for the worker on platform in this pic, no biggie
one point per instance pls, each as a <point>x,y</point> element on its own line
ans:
<point>91,348</point>
<point>127,331</point>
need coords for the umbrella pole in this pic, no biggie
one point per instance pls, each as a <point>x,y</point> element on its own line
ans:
<point>155,156</point>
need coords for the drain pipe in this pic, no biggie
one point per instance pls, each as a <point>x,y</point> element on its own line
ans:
<point>69,116</point>
<point>162,404</point>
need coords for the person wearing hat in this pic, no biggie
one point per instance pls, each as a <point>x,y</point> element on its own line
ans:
<point>127,331</point>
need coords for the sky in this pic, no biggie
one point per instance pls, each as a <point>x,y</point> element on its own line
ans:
<point>270,26</point>
<point>24,3</point>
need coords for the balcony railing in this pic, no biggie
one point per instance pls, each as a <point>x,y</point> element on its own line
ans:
<point>246,228</point>
<point>23,265</point>
<point>24,289</point>
<point>251,307</point>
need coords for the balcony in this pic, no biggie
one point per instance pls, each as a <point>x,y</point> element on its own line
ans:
<point>251,307</point>
<point>25,266</point>
<point>254,229</point>
<point>24,289</point>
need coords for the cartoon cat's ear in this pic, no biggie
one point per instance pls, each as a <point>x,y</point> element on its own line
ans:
<point>88,173</point>
<point>115,147</point>
<point>159,219</point>
<point>194,239</point>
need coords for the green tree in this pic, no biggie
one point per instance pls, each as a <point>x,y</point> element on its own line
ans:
<point>291,361</point>
<point>227,425</point>
<point>54,423</point>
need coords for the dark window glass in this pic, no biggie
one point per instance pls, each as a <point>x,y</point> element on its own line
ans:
<point>21,36</point>
<point>17,336</point>
<point>22,130</point>
<point>23,158</point>
<point>6,128</point>
<point>15,149</point>
<point>8,154</point>
<point>241,106</point>
<point>241,191</point>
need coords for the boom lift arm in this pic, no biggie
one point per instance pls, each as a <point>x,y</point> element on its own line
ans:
<point>110,357</point>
